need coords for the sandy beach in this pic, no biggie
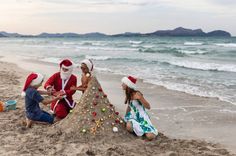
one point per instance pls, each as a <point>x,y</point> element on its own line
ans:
<point>191,125</point>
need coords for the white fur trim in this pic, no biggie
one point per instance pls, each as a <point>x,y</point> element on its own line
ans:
<point>38,80</point>
<point>67,67</point>
<point>129,83</point>
<point>88,64</point>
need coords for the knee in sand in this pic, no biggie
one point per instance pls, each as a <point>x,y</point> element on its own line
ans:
<point>129,127</point>
<point>150,136</point>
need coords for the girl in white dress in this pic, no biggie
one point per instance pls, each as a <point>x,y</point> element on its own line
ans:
<point>136,118</point>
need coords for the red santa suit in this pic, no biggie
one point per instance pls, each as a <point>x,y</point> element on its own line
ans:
<point>62,82</point>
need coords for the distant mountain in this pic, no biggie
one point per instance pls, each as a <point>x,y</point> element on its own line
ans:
<point>127,34</point>
<point>94,34</point>
<point>178,32</point>
<point>10,34</point>
<point>58,35</point>
<point>219,33</point>
<point>1,35</point>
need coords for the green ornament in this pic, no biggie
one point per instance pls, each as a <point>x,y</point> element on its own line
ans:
<point>103,109</point>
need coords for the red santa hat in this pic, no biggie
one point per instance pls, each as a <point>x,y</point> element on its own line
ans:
<point>129,81</point>
<point>88,63</point>
<point>66,63</point>
<point>32,80</point>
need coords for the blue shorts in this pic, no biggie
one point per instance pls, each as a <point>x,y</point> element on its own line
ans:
<point>46,117</point>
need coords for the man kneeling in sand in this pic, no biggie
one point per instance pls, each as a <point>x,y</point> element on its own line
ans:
<point>60,84</point>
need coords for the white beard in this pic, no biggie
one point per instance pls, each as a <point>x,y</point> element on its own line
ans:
<point>65,75</point>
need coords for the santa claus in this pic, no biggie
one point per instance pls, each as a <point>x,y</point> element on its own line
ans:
<point>60,83</point>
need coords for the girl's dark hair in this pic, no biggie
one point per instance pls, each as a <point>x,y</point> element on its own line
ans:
<point>128,93</point>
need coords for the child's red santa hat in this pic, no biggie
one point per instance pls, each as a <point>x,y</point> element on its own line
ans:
<point>129,81</point>
<point>66,63</point>
<point>88,63</point>
<point>32,80</point>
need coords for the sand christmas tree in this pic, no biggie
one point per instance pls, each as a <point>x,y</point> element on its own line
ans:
<point>93,115</point>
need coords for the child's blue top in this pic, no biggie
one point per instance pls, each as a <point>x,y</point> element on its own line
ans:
<point>32,100</point>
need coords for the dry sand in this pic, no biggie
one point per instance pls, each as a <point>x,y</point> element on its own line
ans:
<point>61,139</point>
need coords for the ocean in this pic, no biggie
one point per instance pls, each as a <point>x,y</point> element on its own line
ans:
<point>199,66</point>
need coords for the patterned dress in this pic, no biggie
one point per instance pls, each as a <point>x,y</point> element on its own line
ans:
<point>140,119</point>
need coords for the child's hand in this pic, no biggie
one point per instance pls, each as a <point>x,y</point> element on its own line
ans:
<point>73,88</point>
<point>59,97</point>
<point>62,93</point>
<point>51,90</point>
<point>137,96</point>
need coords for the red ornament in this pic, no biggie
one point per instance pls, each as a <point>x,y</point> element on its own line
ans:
<point>117,121</point>
<point>97,96</point>
<point>94,114</point>
<point>117,113</point>
<point>94,103</point>
<point>111,105</point>
<point>105,95</point>
<point>100,89</point>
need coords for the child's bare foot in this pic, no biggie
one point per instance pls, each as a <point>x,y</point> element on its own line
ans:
<point>23,123</point>
<point>29,123</point>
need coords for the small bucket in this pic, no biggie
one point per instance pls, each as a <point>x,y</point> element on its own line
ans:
<point>11,105</point>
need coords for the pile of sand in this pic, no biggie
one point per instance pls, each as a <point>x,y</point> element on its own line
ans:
<point>93,117</point>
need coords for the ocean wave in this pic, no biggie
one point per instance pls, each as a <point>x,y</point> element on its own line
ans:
<point>193,43</point>
<point>106,48</point>
<point>135,42</point>
<point>69,43</point>
<point>175,51</point>
<point>51,60</point>
<point>99,58</point>
<point>233,45</point>
<point>102,69</point>
<point>193,51</point>
<point>203,66</point>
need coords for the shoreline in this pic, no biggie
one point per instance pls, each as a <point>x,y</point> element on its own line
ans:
<point>169,108</point>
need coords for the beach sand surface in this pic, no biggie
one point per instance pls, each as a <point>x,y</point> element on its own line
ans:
<point>188,121</point>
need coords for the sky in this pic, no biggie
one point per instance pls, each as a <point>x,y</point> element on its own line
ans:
<point>115,16</point>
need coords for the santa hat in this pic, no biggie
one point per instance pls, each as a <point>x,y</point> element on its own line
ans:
<point>32,80</point>
<point>129,81</point>
<point>88,63</point>
<point>66,63</point>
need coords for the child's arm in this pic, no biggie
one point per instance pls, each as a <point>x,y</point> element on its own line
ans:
<point>128,110</point>
<point>83,87</point>
<point>42,92</point>
<point>48,101</point>
<point>80,88</point>
<point>139,96</point>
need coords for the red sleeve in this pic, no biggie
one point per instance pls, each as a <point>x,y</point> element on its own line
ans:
<point>73,83</point>
<point>50,81</point>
